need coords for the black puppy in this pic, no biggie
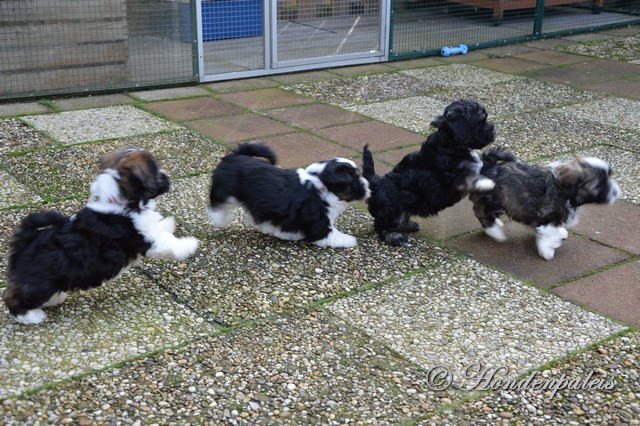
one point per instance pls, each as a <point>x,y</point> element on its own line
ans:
<point>437,176</point>
<point>291,205</point>
<point>546,197</point>
<point>52,254</point>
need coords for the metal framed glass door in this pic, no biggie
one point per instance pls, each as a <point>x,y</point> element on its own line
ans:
<point>321,31</point>
<point>246,38</point>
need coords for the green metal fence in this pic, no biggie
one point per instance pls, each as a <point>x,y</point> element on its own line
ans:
<point>423,27</point>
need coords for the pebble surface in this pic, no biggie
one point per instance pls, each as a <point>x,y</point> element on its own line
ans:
<point>253,330</point>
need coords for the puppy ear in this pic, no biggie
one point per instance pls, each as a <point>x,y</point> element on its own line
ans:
<point>567,174</point>
<point>111,160</point>
<point>336,174</point>
<point>452,113</point>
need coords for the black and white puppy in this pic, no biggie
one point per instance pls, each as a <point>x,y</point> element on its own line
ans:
<point>52,254</point>
<point>437,176</point>
<point>544,197</point>
<point>287,204</point>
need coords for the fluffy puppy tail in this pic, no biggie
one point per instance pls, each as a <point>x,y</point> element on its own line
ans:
<point>35,221</point>
<point>255,150</point>
<point>368,169</point>
<point>493,156</point>
<point>30,225</point>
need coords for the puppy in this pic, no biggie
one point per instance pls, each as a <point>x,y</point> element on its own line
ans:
<point>51,254</point>
<point>544,197</point>
<point>290,205</point>
<point>437,176</point>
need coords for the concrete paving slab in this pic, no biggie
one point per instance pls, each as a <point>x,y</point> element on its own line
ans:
<point>308,369</point>
<point>614,292</point>
<point>22,108</point>
<point>93,101</point>
<point>262,99</point>
<point>511,65</point>
<point>625,48</point>
<point>242,84</point>
<point>193,108</point>
<point>519,256</point>
<point>359,70</point>
<point>459,75</point>
<point>295,150</point>
<point>455,220</point>
<point>315,116</point>
<point>376,134</point>
<point>237,128</point>
<point>96,124</point>
<point>93,330</point>
<point>170,93</point>
<point>615,226</point>
<point>624,88</point>
<point>553,57</point>
<point>461,313</point>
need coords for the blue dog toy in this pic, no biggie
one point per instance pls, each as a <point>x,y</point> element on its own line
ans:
<point>448,51</point>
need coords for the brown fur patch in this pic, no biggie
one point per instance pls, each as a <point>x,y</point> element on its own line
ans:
<point>138,171</point>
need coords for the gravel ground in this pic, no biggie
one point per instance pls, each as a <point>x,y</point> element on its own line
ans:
<point>69,171</point>
<point>361,90</point>
<point>519,96</point>
<point>414,113</point>
<point>547,133</point>
<point>613,362</point>
<point>14,193</point>
<point>304,369</point>
<point>97,124</point>
<point>616,112</point>
<point>460,313</point>
<point>92,330</point>
<point>459,75</point>
<point>623,49</point>
<point>274,275</point>
<point>16,136</point>
<point>311,335</point>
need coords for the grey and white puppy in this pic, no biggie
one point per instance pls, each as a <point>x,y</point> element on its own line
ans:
<point>544,197</point>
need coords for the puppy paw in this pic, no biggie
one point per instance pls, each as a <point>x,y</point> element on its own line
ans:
<point>337,239</point>
<point>168,224</point>
<point>185,247</point>
<point>496,232</point>
<point>34,316</point>
<point>546,252</point>
<point>563,233</point>
<point>411,226</point>
<point>395,239</point>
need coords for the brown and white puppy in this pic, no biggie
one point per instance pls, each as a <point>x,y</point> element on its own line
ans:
<point>544,197</point>
<point>52,254</point>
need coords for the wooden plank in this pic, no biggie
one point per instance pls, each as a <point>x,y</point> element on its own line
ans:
<point>21,11</point>
<point>68,80</point>
<point>39,57</point>
<point>27,36</point>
